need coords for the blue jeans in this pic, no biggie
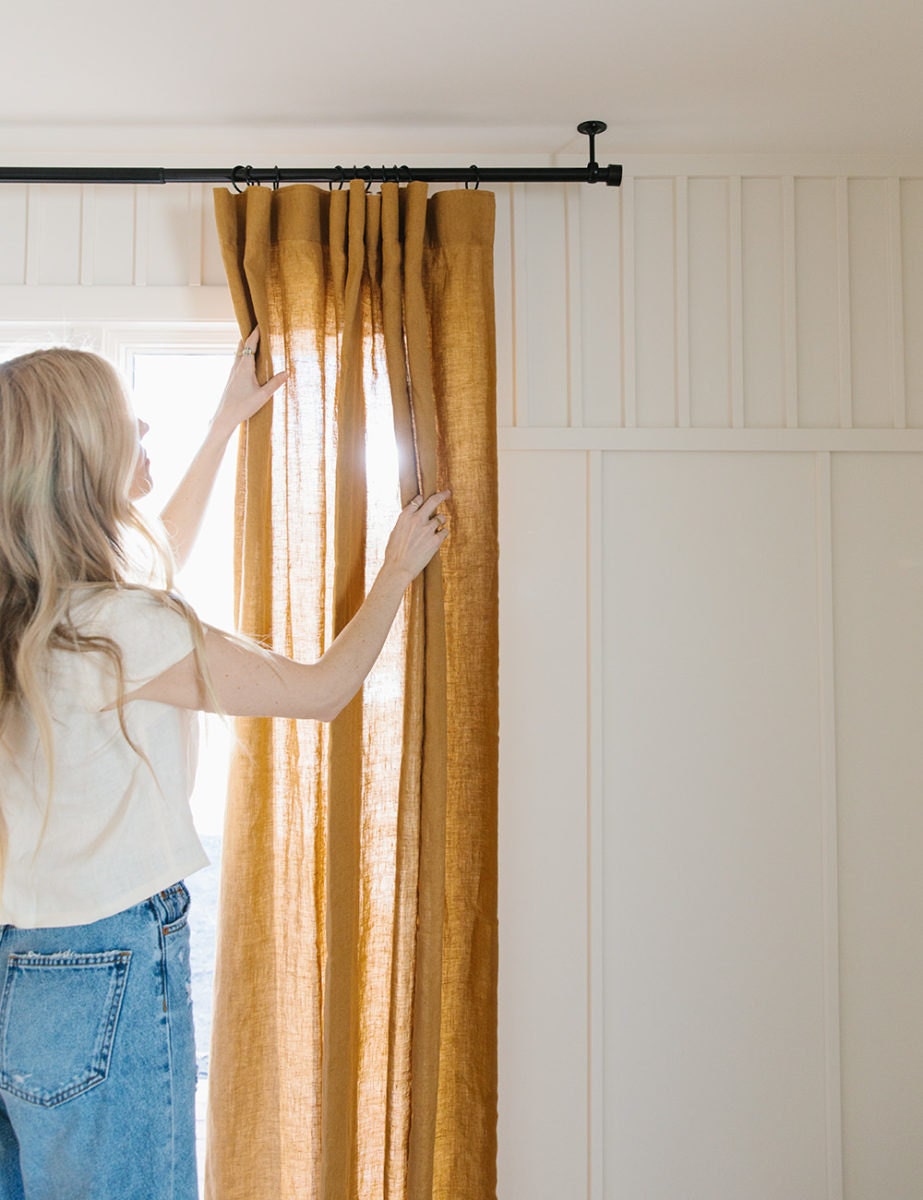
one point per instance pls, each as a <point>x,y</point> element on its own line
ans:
<point>97,1058</point>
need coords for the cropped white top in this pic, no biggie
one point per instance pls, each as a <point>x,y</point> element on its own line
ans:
<point>117,829</point>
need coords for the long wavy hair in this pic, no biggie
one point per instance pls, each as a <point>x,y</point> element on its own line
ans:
<point>68,451</point>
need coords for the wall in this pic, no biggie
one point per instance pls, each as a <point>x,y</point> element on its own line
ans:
<point>711,411</point>
<point>713,569</point>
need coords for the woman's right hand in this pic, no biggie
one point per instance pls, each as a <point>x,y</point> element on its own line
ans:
<point>418,533</point>
<point>243,395</point>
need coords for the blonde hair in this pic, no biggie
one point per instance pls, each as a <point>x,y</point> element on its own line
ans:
<point>68,451</point>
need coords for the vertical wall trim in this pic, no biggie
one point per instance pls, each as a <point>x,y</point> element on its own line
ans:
<point>843,315</point>
<point>830,821</point>
<point>896,305</point>
<point>574,308</point>
<point>196,235</point>
<point>142,209</point>
<point>519,239</point>
<point>681,304</point>
<point>629,368</point>
<point>596,941</point>
<point>87,234</point>
<point>736,300</point>
<point>790,302</point>
<point>33,233</point>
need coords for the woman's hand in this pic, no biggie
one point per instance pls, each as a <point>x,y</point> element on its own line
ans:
<point>419,532</point>
<point>243,395</point>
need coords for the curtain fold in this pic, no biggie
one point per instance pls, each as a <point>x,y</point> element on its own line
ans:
<point>354,1043</point>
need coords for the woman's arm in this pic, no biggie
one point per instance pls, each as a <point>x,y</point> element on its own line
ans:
<point>242,397</point>
<point>249,682</point>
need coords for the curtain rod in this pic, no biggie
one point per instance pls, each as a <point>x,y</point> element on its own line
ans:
<point>610,175</point>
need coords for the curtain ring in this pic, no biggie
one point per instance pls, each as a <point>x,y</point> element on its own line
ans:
<point>477,177</point>
<point>248,177</point>
<point>338,176</point>
<point>234,178</point>
<point>275,178</point>
<point>404,175</point>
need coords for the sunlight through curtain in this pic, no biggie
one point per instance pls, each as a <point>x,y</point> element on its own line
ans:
<point>354,1044</point>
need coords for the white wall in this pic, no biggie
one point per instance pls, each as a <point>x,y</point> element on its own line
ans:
<point>711,408</point>
<point>713,581</point>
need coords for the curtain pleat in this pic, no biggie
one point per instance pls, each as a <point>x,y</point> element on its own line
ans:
<point>354,1043</point>
<point>458,278</point>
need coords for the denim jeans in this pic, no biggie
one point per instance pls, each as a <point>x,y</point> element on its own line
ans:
<point>97,1058</point>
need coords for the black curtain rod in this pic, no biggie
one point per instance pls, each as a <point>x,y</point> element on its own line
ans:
<point>610,175</point>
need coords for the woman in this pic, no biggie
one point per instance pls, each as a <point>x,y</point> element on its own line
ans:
<point>99,675</point>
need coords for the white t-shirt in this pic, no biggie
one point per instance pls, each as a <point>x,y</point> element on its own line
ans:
<point>117,829</point>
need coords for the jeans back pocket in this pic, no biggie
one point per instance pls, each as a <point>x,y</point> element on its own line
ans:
<point>58,1017</point>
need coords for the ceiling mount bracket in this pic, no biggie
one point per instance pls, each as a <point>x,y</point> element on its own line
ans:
<point>591,129</point>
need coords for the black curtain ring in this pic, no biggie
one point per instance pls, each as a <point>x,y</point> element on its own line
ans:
<point>248,176</point>
<point>404,175</point>
<point>338,177</point>
<point>477,177</point>
<point>234,179</point>
<point>276,181</point>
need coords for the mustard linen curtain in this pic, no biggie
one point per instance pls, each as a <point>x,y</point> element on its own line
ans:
<point>354,1043</point>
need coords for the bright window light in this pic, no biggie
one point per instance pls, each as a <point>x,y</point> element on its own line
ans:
<point>176,394</point>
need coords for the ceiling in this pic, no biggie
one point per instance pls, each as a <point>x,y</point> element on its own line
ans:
<point>668,75</point>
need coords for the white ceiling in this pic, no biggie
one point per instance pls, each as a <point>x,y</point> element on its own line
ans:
<point>668,75</point>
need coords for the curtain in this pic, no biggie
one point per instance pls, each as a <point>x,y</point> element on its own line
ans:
<point>354,1038</point>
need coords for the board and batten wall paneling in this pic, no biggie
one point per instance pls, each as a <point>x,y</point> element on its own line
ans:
<point>818,320</point>
<point>747,300</point>
<point>600,325</point>
<point>911,211</point>
<point>715,1065</point>
<point>654,294</point>
<point>504,275</point>
<point>213,274</point>
<point>109,259</point>
<point>103,236</point>
<point>878,585</point>
<point>541,296</point>
<point>764,342</point>
<point>705,313</point>
<point>543,826</point>
<point>173,235</point>
<point>871,306</point>
<point>14,208</point>
<point>55,243</point>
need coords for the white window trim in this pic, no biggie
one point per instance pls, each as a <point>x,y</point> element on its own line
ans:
<point>120,340</point>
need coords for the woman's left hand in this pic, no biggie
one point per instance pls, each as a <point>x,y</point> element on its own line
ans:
<point>243,395</point>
